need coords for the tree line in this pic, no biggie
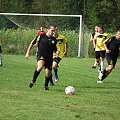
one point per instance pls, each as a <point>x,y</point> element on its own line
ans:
<point>94,12</point>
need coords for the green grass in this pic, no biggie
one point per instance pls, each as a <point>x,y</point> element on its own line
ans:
<point>91,101</point>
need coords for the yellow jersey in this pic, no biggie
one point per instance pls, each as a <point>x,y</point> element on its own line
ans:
<point>61,41</point>
<point>100,38</point>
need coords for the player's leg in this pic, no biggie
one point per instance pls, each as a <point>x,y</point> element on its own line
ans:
<point>102,56</point>
<point>97,56</point>
<point>111,65</point>
<point>95,64</point>
<point>51,80</point>
<point>48,71</point>
<point>55,68</point>
<point>107,71</point>
<point>47,77</point>
<point>40,65</point>
<point>55,71</point>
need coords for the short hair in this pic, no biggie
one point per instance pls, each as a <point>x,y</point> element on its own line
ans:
<point>118,30</point>
<point>52,25</point>
<point>101,26</point>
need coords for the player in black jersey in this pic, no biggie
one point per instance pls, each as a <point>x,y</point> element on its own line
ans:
<point>46,45</point>
<point>112,46</point>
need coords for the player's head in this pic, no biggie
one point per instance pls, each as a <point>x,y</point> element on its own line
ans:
<point>100,29</point>
<point>56,32</point>
<point>51,30</point>
<point>96,28</point>
<point>41,28</point>
<point>118,34</point>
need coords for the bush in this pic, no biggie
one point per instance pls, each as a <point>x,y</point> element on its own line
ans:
<point>16,41</point>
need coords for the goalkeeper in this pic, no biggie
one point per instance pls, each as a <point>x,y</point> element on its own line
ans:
<point>62,47</point>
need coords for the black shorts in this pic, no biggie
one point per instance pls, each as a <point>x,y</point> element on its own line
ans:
<point>57,59</point>
<point>48,61</point>
<point>111,60</point>
<point>99,54</point>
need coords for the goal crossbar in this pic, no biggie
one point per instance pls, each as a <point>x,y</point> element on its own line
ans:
<point>54,15</point>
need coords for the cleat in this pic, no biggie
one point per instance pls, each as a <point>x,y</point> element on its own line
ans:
<point>51,84</point>
<point>31,84</point>
<point>99,81</point>
<point>46,88</point>
<point>93,66</point>
<point>100,75</point>
<point>56,80</point>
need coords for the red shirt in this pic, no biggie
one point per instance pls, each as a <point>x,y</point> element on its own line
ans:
<point>40,33</point>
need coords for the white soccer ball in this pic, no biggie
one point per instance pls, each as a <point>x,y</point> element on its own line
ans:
<point>70,90</point>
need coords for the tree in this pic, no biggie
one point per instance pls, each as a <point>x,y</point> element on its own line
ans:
<point>107,13</point>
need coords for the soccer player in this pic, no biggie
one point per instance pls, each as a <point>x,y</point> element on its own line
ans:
<point>99,47</point>
<point>112,46</point>
<point>41,31</point>
<point>46,45</point>
<point>62,47</point>
<point>0,56</point>
<point>91,40</point>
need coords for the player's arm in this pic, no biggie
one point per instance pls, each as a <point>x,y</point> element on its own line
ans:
<point>66,49</point>
<point>94,43</point>
<point>91,38</point>
<point>56,49</point>
<point>30,47</point>
<point>106,43</point>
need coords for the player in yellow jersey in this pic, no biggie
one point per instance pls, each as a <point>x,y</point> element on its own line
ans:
<point>99,47</point>
<point>62,47</point>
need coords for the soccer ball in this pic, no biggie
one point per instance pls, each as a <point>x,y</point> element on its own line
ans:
<point>70,90</point>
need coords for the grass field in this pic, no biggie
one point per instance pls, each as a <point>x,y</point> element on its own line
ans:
<point>91,101</point>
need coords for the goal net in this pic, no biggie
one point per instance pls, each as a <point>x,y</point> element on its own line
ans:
<point>18,30</point>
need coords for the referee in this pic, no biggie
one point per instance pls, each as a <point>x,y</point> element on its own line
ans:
<point>46,45</point>
<point>112,46</point>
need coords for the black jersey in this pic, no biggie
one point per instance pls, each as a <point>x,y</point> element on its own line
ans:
<point>113,45</point>
<point>45,45</point>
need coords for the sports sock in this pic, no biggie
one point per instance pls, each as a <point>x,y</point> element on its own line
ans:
<point>51,80</point>
<point>99,66</point>
<point>55,73</point>
<point>95,64</point>
<point>105,74</point>
<point>46,80</point>
<point>102,65</point>
<point>36,73</point>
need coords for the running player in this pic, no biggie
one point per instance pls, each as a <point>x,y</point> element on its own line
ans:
<point>99,47</point>
<point>112,46</point>
<point>46,45</point>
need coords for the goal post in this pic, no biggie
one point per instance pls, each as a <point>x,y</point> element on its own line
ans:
<point>55,15</point>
